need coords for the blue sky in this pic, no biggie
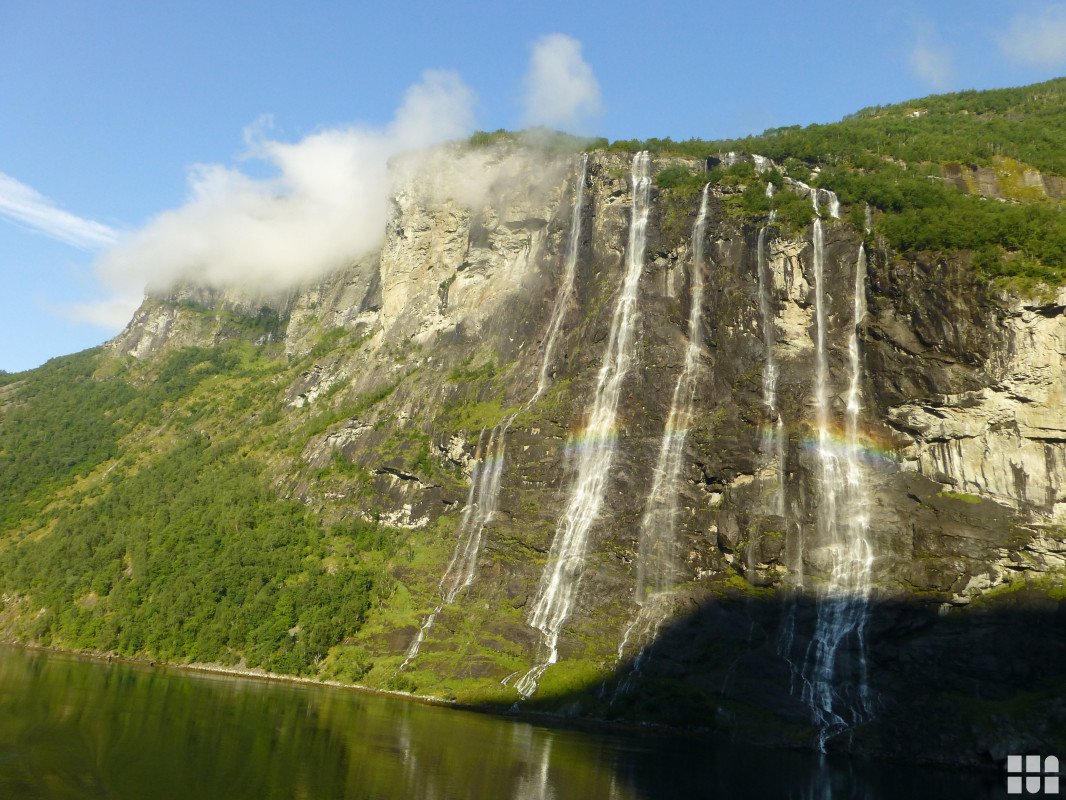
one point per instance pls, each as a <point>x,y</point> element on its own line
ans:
<point>113,112</point>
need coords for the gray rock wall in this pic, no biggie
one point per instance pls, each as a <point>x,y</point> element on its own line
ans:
<point>962,423</point>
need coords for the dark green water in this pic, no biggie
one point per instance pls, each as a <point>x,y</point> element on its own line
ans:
<point>73,728</point>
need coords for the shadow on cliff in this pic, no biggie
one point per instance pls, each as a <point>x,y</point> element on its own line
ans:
<point>949,685</point>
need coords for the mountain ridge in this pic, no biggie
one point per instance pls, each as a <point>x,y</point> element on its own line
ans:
<point>282,482</point>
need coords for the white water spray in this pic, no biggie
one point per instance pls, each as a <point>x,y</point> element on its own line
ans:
<point>773,441</point>
<point>658,558</point>
<point>843,526</point>
<point>566,289</point>
<point>566,561</point>
<point>657,568</point>
<point>830,197</point>
<point>484,496</point>
<point>834,203</point>
<point>481,504</point>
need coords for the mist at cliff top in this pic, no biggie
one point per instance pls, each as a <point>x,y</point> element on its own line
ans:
<point>324,203</point>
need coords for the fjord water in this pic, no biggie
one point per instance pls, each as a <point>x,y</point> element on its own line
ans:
<point>74,728</point>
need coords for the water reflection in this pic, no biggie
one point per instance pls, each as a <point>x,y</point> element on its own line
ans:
<point>71,728</point>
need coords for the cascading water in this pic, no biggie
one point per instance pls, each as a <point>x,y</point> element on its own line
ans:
<point>860,553</point>
<point>595,451</point>
<point>831,199</point>
<point>481,504</point>
<point>566,289</point>
<point>836,700</point>
<point>773,443</point>
<point>657,562</point>
<point>834,203</point>
<point>483,499</point>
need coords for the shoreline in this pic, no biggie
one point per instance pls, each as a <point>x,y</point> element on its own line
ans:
<point>236,672</point>
<point>544,719</point>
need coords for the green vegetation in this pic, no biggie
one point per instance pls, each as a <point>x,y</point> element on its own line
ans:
<point>192,559</point>
<point>145,506</point>
<point>180,550</point>
<point>960,496</point>
<point>442,291</point>
<point>462,373</point>
<point>1027,123</point>
<point>266,321</point>
<point>321,421</point>
<point>58,427</point>
<point>327,343</point>
<point>546,140</point>
<point>680,177</point>
<point>893,159</point>
<point>490,138</point>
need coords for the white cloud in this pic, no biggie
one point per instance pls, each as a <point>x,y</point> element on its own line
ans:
<point>325,207</point>
<point>932,65</point>
<point>24,205</point>
<point>111,313</point>
<point>1037,39</point>
<point>561,89</point>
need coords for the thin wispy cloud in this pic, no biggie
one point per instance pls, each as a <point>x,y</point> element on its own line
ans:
<point>561,90</point>
<point>111,313</point>
<point>932,65</point>
<point>27,207</point>
<point>1037,39</point>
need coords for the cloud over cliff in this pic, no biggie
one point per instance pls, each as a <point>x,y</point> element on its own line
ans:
<point>324,206</point>
<point>561,90</point>
<point>325,202</point>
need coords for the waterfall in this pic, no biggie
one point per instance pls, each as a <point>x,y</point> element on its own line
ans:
<point>566,561</point>
<point>481,503</point>
<point>483,498</point>
<point>773,442</point>
<point>657,561</point>
<point>657,567</point>
<point>843,528</point>
<point>830,197</point>
<point>854,402</point>
<point>562,297</point>
<point>860,552</point>
<point>834,203</point>
<point>828,458</point>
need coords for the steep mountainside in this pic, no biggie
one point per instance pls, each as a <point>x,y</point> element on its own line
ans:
<point>589,436</point>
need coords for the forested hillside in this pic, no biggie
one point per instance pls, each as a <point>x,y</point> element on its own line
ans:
<point>139,517</point>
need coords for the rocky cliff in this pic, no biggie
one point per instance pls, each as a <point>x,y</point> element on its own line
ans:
<point>923,420</point>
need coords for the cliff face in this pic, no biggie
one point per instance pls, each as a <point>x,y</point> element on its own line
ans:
<point>911,466</point>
